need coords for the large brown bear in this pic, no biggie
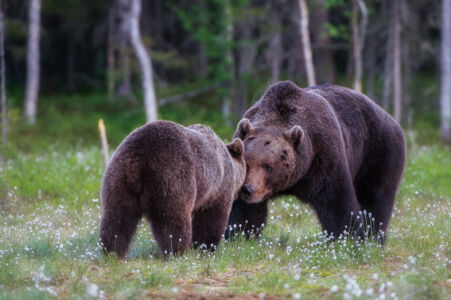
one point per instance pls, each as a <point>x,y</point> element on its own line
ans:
<point>329,146</point>
<point>183,180</point>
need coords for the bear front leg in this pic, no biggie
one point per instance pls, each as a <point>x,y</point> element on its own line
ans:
<point>337,207</point>
<point>117,227</point>
<point>209,225</point>
<point>251,217</point>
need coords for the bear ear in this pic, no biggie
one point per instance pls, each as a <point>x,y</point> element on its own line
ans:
<point>236,148</point>
<point>244,128</point>
<point>294,135</point>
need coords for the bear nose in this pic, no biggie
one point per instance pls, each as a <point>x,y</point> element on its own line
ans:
<point>246,191</point>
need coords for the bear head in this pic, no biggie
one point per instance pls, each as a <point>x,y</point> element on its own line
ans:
<point>270,154</point>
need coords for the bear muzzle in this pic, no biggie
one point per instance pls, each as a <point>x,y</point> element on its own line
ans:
<point>246,192</point>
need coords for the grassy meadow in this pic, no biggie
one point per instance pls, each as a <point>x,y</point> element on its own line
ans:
<point>50,211</point>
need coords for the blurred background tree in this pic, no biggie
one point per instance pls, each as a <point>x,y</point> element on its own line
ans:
<point>219,56</point>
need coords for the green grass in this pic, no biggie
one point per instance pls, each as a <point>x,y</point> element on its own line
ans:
<point>50,212</point>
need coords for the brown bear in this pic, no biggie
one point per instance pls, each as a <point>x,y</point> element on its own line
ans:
<point>329,146</point>
<point>183,180</point>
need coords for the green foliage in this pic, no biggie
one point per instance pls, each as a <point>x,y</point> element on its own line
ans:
<point>211,22</point>
<point>208,23</point>
<point>337,31</point>
<point>335,3</point>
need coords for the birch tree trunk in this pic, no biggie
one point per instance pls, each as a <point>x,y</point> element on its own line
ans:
<point>358,36</point>
<point>33,57</point>
<point>226,102</point>
<point>2,72</point>
<point>397,79</point>
<point>310,69</point>
<point>144,59</point>
<point>388,67</point>
<point>445,93</point>
<point>123,38</point>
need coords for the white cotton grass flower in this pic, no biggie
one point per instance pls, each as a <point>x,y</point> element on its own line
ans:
<point>92,290</point>
<point>352,286</point>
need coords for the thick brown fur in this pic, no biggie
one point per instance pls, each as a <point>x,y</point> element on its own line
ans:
<point>183,180</point>
<point>329,146</point>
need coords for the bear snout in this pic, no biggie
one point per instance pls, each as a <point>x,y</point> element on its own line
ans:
<point>246,191</point>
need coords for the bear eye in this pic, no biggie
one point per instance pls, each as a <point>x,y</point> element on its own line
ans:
<point>268,168</point>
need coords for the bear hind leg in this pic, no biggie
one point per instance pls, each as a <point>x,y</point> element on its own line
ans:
<point>172,232</point>
<point>117,227</point>
<point>377,199</point>
<point>376,186</point>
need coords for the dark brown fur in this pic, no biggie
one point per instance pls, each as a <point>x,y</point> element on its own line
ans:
<point>182,179</point>
<point>330,146</point>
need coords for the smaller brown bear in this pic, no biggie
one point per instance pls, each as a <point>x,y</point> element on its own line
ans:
<point>183,180</point>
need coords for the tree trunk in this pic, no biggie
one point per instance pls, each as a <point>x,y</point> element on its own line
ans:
<point>245,54</point>
<point>371,67</point>
<point>276,51</point>
<point>2,73</point>
<point>275,44</point>
<point>201,69</point>
<point>310,69</point>
<point>388,67</point>
<point>125,87</point>
<point>397,76</point>
<point>32,88</point>
<point>145,62</point>
<point>111,60</point>
<point>445,93</point>
<point>70,64</point>
<point>201,65</point>
<point>358,36</point>
<point>226,103</point>
<point>406,62</point>
<point>322,42</point>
